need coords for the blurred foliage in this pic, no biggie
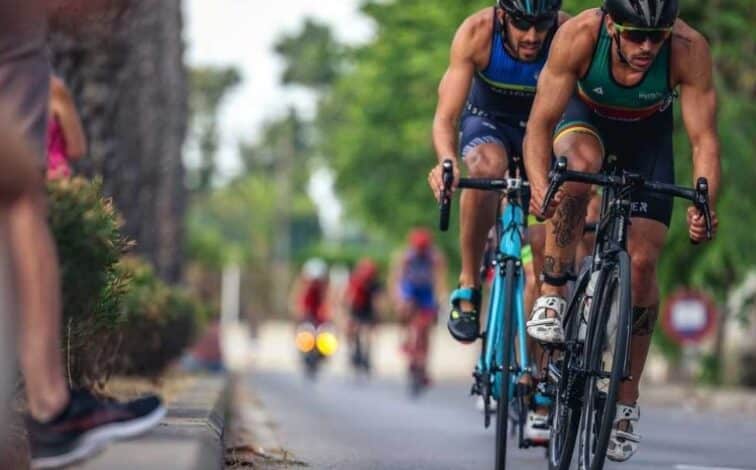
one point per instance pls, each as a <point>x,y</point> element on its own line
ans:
<point>161,321</point>
<point>118,316</point>
<point>86,229</point>
<point>239,222</point>
<point>208,87</point>
<point>312,56</point>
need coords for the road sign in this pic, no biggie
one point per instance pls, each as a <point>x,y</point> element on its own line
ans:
<point>689,316</point>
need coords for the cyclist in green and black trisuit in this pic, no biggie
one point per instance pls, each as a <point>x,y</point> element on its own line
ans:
<point>611,77</point>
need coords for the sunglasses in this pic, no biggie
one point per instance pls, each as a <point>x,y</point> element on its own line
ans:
<point>639,34</point>
<point>541,23</point>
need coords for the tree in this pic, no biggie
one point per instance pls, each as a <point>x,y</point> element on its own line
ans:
<point>129,82</point>
<point>208,88</point>
<point>312,56</point>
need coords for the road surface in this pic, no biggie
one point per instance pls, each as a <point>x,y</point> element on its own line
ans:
<point>338,423</point>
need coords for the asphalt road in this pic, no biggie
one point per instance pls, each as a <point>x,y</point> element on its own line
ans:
<point>338,423</point>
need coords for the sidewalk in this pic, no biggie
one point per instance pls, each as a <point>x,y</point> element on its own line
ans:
<point>189,437</point>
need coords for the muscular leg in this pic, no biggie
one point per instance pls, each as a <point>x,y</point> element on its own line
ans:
<point>564,230</point>
<point>646,240</point>
<point>35,266</point>
<point>478,211</point>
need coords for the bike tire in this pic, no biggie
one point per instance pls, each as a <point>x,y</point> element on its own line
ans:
<point>565,414</point>
<point>502,410</point>
<point>599,406</point>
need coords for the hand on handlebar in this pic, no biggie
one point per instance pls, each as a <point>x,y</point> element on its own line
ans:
<point>436,179</point>
<point>697,224</point>
<point>538,193</point>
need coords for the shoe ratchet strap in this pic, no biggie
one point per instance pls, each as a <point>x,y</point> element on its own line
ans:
<point>539,399</point>
<point>557,280</point>
<point>468,294</point>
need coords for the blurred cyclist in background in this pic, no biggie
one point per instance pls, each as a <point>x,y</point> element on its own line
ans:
<point>310,293</point>
<point>361,300</point>
<point>418,280</point>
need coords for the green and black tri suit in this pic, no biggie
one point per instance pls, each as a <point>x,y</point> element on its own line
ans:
<point>633,123</point>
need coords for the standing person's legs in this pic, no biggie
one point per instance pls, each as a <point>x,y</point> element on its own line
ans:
<point>35,266</point>
<point>24,90</point>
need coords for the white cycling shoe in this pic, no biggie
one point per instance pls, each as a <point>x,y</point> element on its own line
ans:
<point>537,428</point>
<point>624,444</point>
<point>543,328</point>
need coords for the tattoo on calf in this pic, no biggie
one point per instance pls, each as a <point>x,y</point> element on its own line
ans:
<point>568,217</point>
<point>644,319</point>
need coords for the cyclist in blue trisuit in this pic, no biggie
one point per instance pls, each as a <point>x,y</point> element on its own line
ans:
<point>484,102</point>
<point>417,279</point>
<point>626,60</point>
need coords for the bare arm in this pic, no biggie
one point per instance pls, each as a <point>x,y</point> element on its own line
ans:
<point>555,86</point>
<point>64,109</point>
<point>698,101</point>
<point>452,93</point>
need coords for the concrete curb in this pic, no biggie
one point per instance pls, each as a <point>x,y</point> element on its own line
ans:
<point>725,400</point>
<point>251,439</point>
<point>189,437</point>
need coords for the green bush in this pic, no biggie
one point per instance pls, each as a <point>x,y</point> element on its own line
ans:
<point>86,228</point>
<point>160,321</point>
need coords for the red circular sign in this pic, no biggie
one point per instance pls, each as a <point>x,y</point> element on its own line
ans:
<point>688,316</point>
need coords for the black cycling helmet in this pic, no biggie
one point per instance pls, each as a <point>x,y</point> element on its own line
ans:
<point>530,8</point>
<point>643,13</point>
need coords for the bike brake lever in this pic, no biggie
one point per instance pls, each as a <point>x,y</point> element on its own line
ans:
<point>445,205</point>
<point>556,177</point>
<point>702,204</point>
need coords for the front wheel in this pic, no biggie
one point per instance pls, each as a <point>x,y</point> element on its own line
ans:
<point>504,373</point>
<point>566,381</point>
<point>607,360</point>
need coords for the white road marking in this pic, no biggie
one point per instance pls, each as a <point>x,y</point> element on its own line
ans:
<point>700,467</point>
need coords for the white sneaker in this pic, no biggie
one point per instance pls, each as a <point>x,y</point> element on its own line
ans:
<point>537,428</point>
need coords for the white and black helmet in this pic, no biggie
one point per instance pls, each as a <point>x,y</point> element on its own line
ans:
<point>643,13</point>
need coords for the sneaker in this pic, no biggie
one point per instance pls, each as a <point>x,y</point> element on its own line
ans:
<point>86,425</point>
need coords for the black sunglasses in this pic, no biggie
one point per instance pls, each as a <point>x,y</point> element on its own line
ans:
<point>639,35</point>
<point>541,23</point>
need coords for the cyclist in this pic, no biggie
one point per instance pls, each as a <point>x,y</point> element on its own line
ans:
<point>496,57</point>
<point>310,293</point>
<point>418,277</point>
<point>361,298</point>
<point>626,60</point>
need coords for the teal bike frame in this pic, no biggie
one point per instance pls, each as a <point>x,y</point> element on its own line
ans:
<point>499,369</point>
<point>511,228</point>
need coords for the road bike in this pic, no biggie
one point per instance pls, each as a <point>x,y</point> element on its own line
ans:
<point>585,372</point>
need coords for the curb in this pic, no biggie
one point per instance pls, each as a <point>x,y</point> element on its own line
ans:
<point>189,437</point>
<point>251,439</point>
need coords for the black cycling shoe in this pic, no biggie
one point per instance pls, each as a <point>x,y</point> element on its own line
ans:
<point>463,325</point>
